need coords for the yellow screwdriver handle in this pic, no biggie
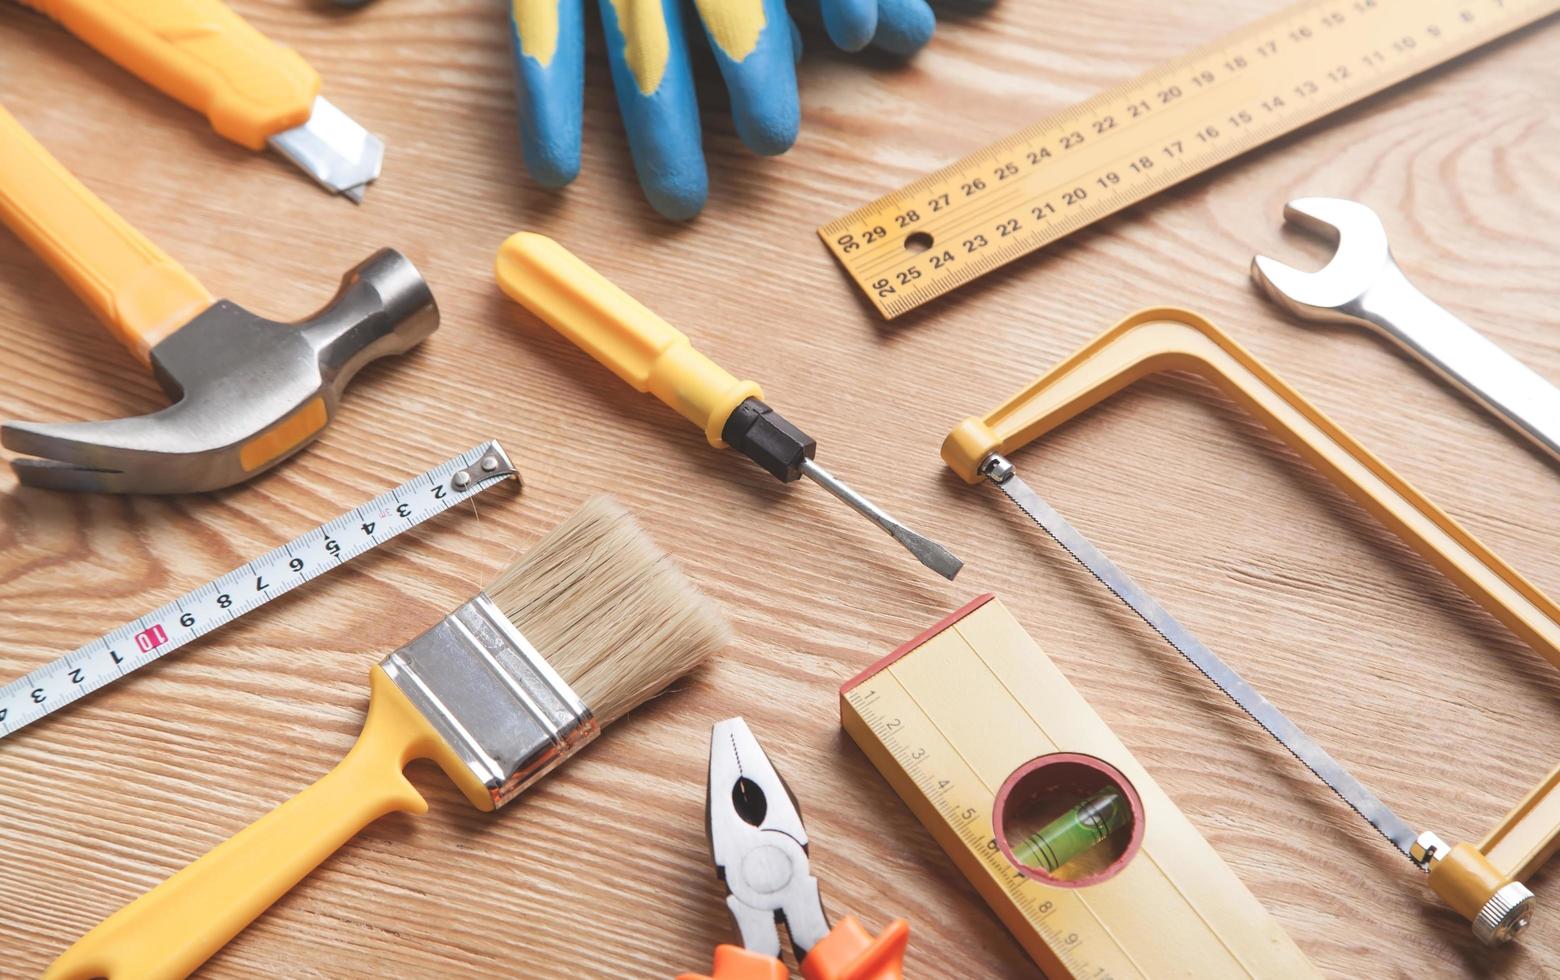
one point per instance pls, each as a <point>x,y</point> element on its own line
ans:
<point>140,293</point>
<point>617,330</point>
<point>174,928</point>
<point>204,55</point>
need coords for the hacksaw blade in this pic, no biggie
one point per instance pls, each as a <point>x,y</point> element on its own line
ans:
<point>1000,471</point>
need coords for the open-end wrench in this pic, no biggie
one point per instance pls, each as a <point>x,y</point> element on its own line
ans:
<point>1363,284</point>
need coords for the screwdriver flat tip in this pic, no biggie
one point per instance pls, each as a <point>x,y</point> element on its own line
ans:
<point>927,552</point>
<point>930,553</point>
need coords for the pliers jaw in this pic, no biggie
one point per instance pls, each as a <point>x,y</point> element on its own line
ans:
<point>760,846</point>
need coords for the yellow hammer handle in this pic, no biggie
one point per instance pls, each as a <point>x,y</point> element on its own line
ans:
<point>204,55</point>
<point>617,330</point>
<point>174,928</point>
<point>140,293</point>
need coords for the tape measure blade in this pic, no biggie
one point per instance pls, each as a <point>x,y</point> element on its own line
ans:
<point>1267,80</point>
<point>210,606</point>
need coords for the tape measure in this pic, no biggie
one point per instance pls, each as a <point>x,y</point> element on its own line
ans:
<point>1246,89</point>
<point>971,723</point>
<point>243,590</point>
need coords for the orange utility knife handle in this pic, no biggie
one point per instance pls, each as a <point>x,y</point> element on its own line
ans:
<point>131,284</point>
<point>202,54</point>
<point>848,952</point>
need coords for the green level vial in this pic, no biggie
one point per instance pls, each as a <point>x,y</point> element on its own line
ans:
<point>1075,831</point>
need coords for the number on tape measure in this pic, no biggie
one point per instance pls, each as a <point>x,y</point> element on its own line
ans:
<point>1246,89</point>
<point>160,632</point>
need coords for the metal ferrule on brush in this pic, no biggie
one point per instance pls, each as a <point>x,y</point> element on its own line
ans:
<point>492,697</point>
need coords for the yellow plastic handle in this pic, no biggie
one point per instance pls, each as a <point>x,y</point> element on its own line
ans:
<point>131,284</point>
<point>617,330</point>
<point>177,926</point>
<point>202,54</point>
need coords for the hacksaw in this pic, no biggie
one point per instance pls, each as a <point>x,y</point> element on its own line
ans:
<point>1483,883</point>
<point>1045,182</point>
<point>963,717</point>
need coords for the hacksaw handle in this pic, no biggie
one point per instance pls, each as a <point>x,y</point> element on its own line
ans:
<point>1170,339</point>
<point>619,331</point>
<point>174,928</point>
<point>204,55</point>
<point>140,293</point>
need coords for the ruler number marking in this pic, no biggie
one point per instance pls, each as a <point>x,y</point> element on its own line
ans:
<point>1378,43</point>
<point>67,678</point>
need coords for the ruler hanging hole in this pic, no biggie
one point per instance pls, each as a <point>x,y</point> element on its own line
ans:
<point>1068,820</point>
<point>918,241</point>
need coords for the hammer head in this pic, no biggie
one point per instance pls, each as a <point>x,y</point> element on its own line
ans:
<point>247,392</point>
<point>1361,261</point>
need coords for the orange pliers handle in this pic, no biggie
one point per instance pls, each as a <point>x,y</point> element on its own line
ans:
<point>848,952</point>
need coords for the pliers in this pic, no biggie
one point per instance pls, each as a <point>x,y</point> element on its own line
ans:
<point>760,851</point>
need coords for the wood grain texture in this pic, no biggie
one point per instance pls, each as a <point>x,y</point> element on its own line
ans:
<point>604,869</point>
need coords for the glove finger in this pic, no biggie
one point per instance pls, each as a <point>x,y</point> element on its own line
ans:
<point>904,26</point>
<point>648,50</point>
<point>850,24</point>
<point>756,51</point>
<point>548,38</point>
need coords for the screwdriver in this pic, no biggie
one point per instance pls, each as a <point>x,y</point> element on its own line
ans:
<point>656,357</point>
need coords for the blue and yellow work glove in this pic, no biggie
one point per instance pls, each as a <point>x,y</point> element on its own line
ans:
<point>754,42</point>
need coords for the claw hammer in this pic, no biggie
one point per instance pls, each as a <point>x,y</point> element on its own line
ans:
<point>247,392</point>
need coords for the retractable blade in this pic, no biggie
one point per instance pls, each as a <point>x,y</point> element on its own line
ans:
<point>334,149</point>
<point>1000,471</point>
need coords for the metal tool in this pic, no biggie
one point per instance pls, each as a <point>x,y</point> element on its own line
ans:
<point>760,851</point>
<point>207,608</point>
<point>998,470</point>
<point>652,355</point>
<point>254,91</point>
<point>1362,284</point>
<point>1482,883</point>
<point>975,728</point>
<point>248,392</point>
<point>1246,89</point>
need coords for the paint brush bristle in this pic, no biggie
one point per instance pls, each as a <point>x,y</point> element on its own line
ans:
<point>609,610</point>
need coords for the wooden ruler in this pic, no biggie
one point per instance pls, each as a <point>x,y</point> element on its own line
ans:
<point>949,720</point>
<point>1032,188</point>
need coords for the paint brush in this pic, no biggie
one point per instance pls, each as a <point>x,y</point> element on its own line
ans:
<point>588,624</point>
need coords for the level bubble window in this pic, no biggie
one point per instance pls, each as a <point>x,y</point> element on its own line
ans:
<point>1068,819</point>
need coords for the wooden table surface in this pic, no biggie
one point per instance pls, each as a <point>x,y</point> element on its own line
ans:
<point>604,870</point>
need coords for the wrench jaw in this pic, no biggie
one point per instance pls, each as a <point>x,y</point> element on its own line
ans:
<point>1337,292</point>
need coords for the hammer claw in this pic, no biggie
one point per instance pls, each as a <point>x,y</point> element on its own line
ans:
<point>249,392</point>
<point>51,474</point>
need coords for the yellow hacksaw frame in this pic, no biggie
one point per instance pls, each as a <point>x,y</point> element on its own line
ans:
<point>1170,339</point>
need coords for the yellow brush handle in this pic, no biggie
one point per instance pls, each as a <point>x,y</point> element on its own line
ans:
<point>131,284</point>
<point>177,926</point>
<point>617,330</point>
<point>202,54</point>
